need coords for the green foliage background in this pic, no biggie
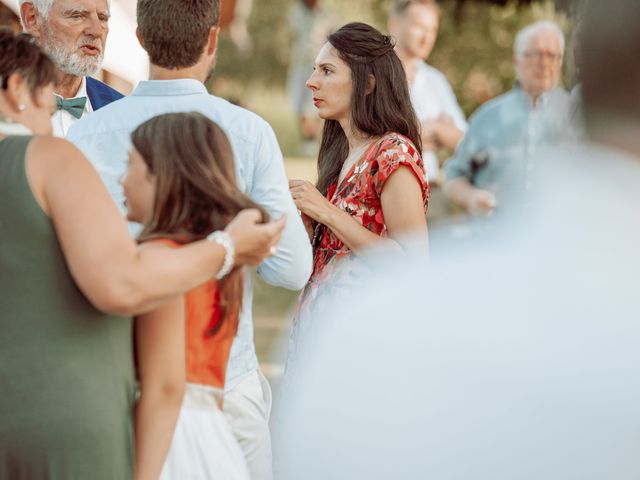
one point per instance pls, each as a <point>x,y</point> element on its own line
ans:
<point>473,49</point>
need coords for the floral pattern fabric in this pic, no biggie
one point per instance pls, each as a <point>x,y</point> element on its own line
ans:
<point>360,192</point>
<point>335,269</point>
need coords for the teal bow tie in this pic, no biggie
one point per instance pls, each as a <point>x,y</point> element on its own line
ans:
<point>75,106</point>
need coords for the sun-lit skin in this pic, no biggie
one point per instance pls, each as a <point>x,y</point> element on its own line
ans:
<point>139,188</point>
<point>331,85</point>
<point>538,66</point>
<point>72,21</point>
<point>74,33</point>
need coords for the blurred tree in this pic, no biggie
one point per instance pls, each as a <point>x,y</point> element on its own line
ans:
<point>474,47</point>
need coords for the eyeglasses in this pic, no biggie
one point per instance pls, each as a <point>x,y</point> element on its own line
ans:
<point>538,55</point>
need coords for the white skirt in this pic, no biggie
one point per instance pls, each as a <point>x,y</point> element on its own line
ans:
<point>203,447</point>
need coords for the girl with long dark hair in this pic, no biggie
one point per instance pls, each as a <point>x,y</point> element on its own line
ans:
<point>181,185</point>
<point>372,188</point>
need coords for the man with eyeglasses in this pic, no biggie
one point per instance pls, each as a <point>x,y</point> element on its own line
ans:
<point>494,161</point>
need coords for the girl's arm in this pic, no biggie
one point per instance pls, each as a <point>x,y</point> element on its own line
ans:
<point>113,273</point>
<point>401,200</point>
<point>160,353</point>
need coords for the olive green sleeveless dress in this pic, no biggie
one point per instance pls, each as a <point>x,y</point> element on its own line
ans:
<point>66,370</point>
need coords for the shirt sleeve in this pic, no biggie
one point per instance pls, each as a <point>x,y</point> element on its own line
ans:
<point>451,106</point>
<point>460,164</point>
<point>290,267</point>
<point>394,154</point>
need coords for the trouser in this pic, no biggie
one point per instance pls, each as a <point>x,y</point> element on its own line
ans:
<point>247,407</point>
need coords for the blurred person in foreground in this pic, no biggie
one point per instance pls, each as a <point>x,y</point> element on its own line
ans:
<point>182,52</point>
<point>528,368</point>
<point>414,24</point>
<point>74,34</point>
<point>70,278</point>
<point>371,185</point>
<point>495,159</point>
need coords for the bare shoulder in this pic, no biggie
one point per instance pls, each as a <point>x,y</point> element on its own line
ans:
<point>59,158</point>
<point>54,149</point>
<point>157,244</point>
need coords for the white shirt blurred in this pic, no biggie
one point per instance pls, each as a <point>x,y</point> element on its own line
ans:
<point>432,97</point>
<point>521,364</point>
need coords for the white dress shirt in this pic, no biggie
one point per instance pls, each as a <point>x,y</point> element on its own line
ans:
<point>432,96</point>
<point>104,138</point>
<point>62,120</point>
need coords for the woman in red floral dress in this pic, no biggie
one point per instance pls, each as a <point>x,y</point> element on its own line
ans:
<point>372,189</point>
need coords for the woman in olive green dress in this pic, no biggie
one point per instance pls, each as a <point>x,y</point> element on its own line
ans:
<point>66,368</point>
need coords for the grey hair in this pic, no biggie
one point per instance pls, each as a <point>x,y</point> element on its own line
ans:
<point>42,6</point>
<point>525,35</point>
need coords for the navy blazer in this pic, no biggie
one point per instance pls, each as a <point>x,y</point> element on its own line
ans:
<point>101,94</point>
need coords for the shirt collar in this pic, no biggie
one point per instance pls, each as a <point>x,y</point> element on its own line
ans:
<point>184,86</point>
<point>541,101</point>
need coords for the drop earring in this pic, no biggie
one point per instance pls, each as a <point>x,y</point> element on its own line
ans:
<point>21,107</point>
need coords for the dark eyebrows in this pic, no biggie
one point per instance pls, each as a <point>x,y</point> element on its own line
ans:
<point>326,65</point>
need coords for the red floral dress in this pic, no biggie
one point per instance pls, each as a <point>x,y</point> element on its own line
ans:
<point>335,269</point>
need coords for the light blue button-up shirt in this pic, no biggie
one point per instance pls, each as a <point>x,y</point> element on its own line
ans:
<point>104,138</point>
<point>498,151</point>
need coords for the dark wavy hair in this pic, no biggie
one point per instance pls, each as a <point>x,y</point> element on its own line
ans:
<point>386,109</point>
<point>196,190</point>
<point>19,54</point>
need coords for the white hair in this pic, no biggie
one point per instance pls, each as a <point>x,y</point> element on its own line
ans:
<point>42,6</point>
<point>525,35</point>
<point>68,61</point>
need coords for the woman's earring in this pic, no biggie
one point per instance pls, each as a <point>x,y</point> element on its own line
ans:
<point>21,107</point>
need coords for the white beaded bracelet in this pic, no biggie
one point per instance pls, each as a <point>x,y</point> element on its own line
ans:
<point>222,238</point>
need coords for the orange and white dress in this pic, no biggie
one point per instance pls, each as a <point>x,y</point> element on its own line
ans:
<point>204,446</point>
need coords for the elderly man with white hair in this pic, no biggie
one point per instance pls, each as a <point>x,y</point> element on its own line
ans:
<point>74,34</point>
<point>494,160</point>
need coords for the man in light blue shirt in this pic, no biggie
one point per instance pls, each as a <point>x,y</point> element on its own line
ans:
<point>182,48</point>
<point>493,162</point>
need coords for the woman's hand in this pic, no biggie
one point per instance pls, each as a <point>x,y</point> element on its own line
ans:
<point>308,224</point>
<point>310,201</point>
<point>254,241</point>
